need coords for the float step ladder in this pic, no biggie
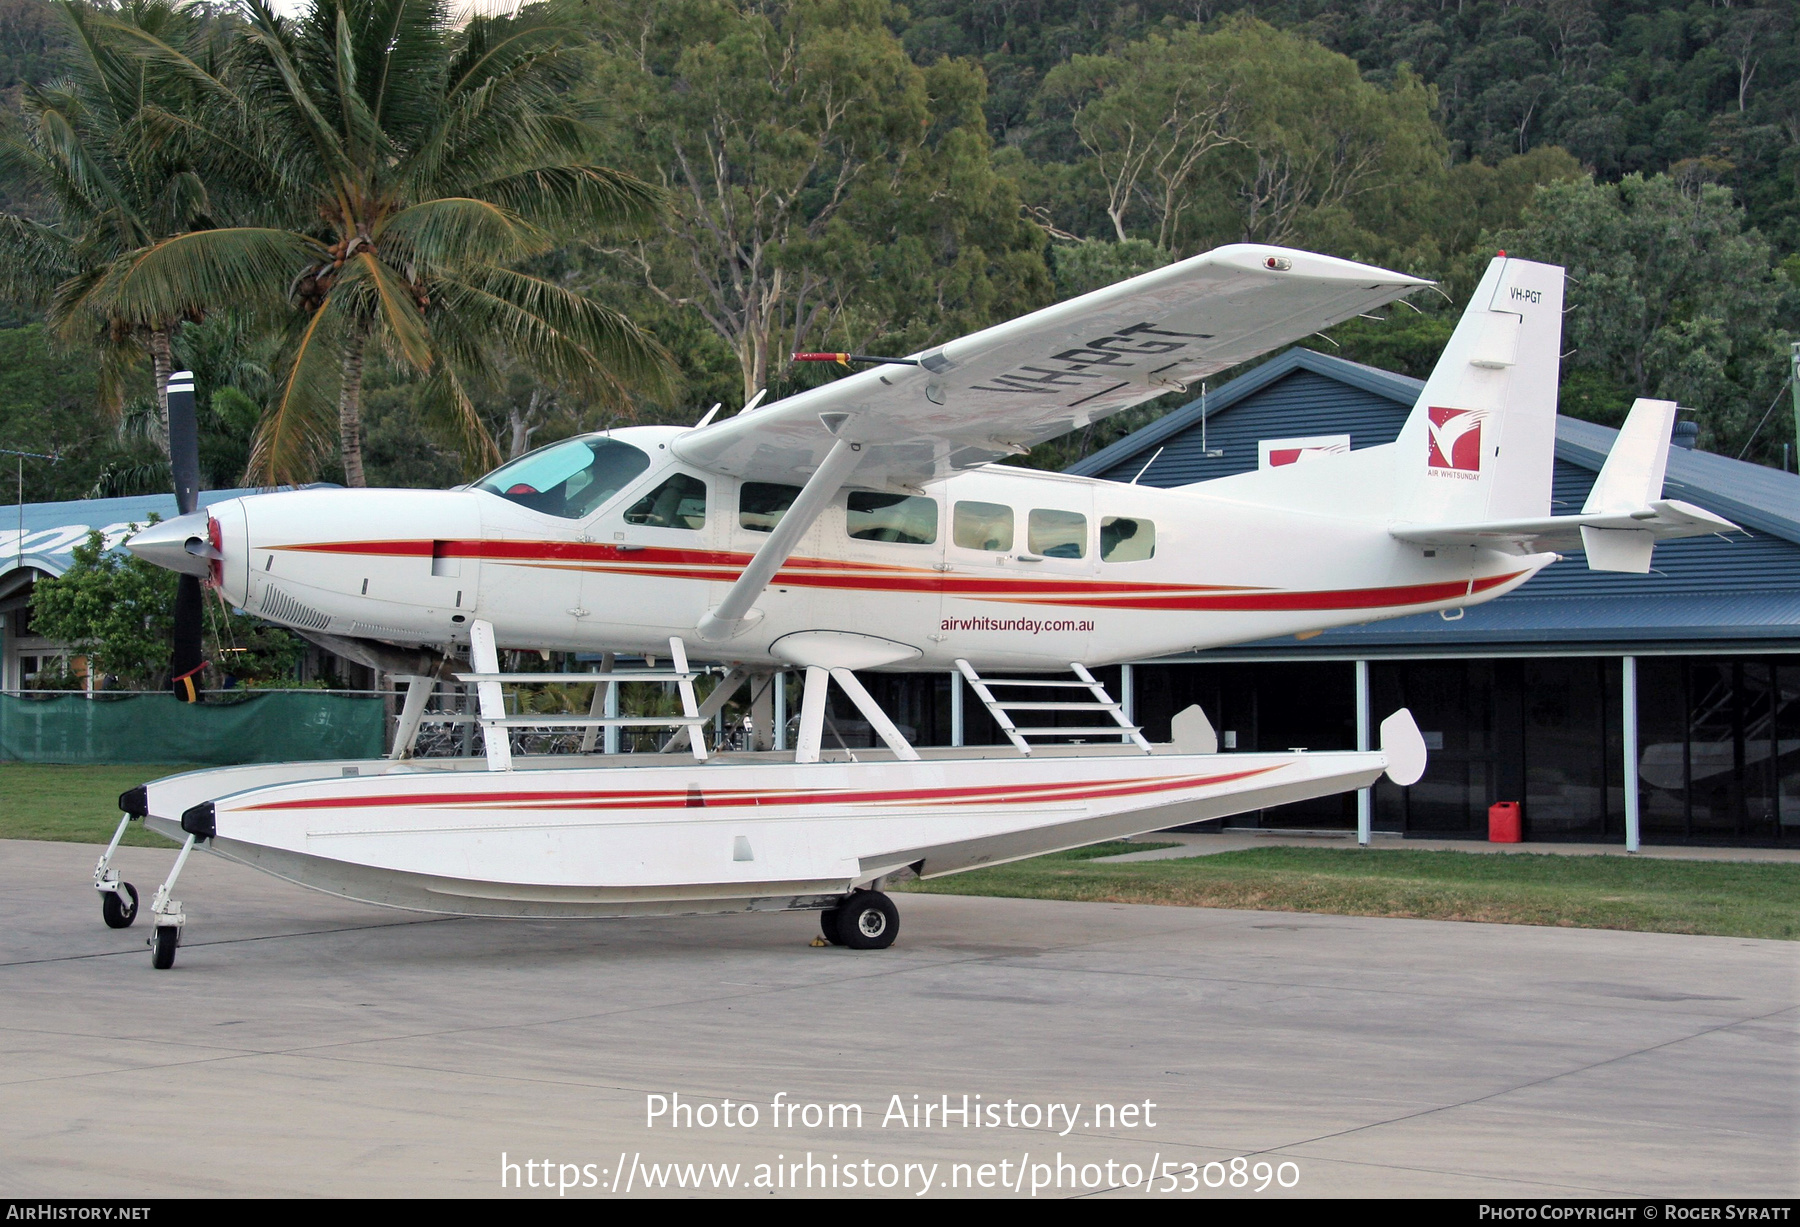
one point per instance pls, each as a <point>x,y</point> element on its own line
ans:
<point>1098,701</point>
<point>494,721</point>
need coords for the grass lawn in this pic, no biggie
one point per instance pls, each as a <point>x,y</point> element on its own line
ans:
<point>1732,899</point>
<point>75,804</point>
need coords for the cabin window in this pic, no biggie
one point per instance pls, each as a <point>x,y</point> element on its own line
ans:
<point>679,502</point>
<point>761,504</point>
<point>983,526</point>
<point>1057,534</point>
<point>568,479</point>
<point>1126,540</point>
<point>903,518</point>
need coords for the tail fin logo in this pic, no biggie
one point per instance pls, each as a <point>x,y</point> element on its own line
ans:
<point>1455,442</point>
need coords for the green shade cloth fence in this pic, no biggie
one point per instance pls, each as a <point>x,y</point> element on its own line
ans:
<point>159,728</point>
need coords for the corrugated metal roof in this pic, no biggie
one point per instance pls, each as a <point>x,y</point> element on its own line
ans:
<point>1329,401</point>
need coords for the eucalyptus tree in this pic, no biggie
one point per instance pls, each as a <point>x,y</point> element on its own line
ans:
<point>412,168</point>
<point>97,144</point>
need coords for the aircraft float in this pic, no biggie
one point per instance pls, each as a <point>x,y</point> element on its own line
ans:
<point>864,525</point>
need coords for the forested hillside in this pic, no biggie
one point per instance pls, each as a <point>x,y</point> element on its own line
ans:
<point>855,174</point>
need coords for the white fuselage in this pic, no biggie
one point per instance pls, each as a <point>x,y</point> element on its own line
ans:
<point>409,566</point>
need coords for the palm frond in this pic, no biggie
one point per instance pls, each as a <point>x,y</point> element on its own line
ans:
<point>245,266</point>
<point>459,230</point>
<point>369,289</point>
<point>301,423</point>
<point>33,259</point>
<point>588,196</point>
<point>561,335</point>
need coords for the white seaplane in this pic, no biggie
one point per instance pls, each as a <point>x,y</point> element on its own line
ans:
<point>863,525</point>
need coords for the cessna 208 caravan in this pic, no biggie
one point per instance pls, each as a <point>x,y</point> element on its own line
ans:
<point>864,525</point>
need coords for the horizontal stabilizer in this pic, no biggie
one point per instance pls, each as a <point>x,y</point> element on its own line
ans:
<point>1663,520</point>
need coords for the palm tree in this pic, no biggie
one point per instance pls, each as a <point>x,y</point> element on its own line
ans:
<point>95,146</point>
<point>408,169</point>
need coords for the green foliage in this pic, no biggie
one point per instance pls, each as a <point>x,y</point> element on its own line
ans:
<point>1669,296</point>
<point>113,608</point>
<point>1094,265</point>
<point>383,232</point>
<point>828,193</point>
<point>398,168</point>
<point>49,403</point>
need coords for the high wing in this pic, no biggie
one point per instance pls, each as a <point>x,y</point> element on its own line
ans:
<point>1002,390</point>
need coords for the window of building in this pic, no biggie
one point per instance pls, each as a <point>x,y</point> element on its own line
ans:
<point>983,526</point>
<point>903,518</point>
<point>567,479</point>
<point>1126,540</point>
<point>679,502</point>
<point>761,504</point>
<point>1057,534</point>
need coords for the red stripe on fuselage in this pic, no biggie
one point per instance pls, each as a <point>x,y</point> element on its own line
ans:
<point>685,797</point>
<point>714,566</point>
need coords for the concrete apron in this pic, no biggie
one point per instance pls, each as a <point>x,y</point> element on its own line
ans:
<point>303,1045</point>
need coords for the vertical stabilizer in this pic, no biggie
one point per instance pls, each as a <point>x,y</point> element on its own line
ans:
<point>1482,438</point>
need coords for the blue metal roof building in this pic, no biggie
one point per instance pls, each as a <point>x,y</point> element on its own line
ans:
<point>1522,698</point>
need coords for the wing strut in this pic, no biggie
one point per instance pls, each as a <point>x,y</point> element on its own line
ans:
<point>731,617</point>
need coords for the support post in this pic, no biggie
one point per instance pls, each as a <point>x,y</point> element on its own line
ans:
<point>812,715</point>
<point>406,733</point>
<point>1629,728</point>
<point>597,706</point>
<point>762,710</point>
<point>611,734</point>
<point>781,716</point>
<point>1127,697</point>
<point>1365,797</point>
<point>485,657</point>
<point>956,709</point>
<point>878,719</point>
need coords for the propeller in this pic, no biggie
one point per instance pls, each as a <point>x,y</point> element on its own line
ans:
<point>186,661</point>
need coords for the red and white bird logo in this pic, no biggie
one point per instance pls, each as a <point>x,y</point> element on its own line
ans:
<point>1455,438</point>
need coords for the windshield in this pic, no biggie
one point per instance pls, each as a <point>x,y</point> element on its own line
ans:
<point>567,479</point>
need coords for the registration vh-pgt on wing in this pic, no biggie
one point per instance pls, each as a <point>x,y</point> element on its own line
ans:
<point>863,525</point>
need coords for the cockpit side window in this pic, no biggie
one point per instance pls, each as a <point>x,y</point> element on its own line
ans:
<point>679,502</point>
<point>568,479</point>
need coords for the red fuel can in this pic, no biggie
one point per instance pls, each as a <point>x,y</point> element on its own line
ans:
<point>1503,823</point>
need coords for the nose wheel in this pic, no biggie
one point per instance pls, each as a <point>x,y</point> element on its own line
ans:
<point>119,906</point>
<point>864,920</point>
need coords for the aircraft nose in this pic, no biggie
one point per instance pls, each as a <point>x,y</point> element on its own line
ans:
<point>181,544</point>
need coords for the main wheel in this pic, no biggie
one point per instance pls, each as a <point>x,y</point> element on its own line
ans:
<point>867,920</point>
<point>163,940</point>
<point>828,925</point>
<point>119,911</point>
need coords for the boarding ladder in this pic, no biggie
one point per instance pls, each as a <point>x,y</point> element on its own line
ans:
<point>1099,701</point>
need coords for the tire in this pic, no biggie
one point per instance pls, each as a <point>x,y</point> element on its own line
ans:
<point>118,911</point>
<point>867,920</point>
<point>828,925</point>
<point>163,941</point>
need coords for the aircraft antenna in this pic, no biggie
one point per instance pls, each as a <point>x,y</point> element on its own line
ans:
<point>1209,453</point>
